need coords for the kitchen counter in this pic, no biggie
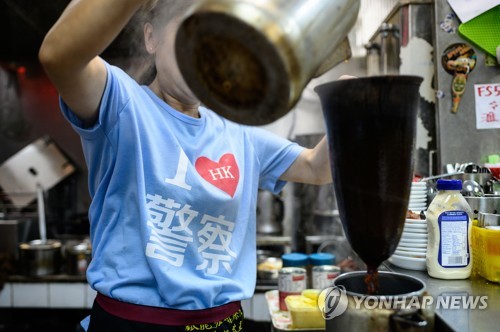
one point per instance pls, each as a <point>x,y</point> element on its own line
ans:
<point>457,317</point>
<point>462,319</point>
<point>53,291</point>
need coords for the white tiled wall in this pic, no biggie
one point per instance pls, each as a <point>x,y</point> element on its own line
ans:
<point>6,296</point>
<point>47,295</point>
<point>81,296</point>
<point>67,295</point>
<point>30,295</point>
<point>90,295</point>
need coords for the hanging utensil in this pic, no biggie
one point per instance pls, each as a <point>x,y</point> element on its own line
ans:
<point>472,188</point>
<point>41,213</point>
<point>40,257</point>
<point>434,177</point>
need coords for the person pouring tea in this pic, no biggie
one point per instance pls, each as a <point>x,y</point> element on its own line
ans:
<point>173,184</point>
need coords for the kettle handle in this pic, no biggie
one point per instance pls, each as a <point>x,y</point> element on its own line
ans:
<point>280,208</point>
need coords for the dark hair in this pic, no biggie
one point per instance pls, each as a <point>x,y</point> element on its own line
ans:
<point>158,13</point>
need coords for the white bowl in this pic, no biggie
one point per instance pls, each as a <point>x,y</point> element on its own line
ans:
<point>412,245</point>
<point>419,184</point>
<point>422,200</point>
<point>415,233</point>
<point>411,241</point>
<point>416,221</point>
<point>421,251</point>
<point>411,236</point>
<point>415,230</point>
<point>412,254</point>
<point>418,195</point>
<point>417,201</point>
<point>411,225</point>
<point>417,206</point>
<point>422,239</point>
<point>412,249</point>
<point>409,262</point>
<point>418,188</point>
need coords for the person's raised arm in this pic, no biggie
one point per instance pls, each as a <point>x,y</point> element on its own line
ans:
<point>312,166</point>
<point>69,52</point>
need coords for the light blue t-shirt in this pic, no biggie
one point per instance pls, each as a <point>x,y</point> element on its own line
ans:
<point>173,212</point>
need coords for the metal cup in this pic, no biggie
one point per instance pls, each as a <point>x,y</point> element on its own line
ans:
<point>250,60</point>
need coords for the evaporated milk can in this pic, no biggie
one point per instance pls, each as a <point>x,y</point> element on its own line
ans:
<point>292,281</point>
<point>323,276</point>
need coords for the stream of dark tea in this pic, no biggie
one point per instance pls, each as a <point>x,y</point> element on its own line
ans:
<point>371,124</point>
<point>371,280</point>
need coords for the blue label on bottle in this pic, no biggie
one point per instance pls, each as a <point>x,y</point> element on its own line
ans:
<point>453,239</point>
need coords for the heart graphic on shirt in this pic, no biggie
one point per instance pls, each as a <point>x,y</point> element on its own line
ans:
<point>223,174</point>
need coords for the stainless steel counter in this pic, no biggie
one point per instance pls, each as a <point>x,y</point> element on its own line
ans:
<point>462,319</point>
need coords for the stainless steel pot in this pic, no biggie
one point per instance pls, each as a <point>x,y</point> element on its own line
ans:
<point>40,258</point>
<point>268,268</point>
<point>395,287</point>
<point>485,204</point>
<point>488,219</point>
<point>250,60</point>
<point>78,257</point>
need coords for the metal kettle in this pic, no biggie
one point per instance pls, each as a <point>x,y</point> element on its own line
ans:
<point>270,213</point>
<point>250,60</point>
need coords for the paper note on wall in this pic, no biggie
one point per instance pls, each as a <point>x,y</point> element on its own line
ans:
<point>466,10</point>
<point>487,105</point>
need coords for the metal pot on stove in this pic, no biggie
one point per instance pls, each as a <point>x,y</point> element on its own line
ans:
<point>40,257</point>
<point>78,257</point>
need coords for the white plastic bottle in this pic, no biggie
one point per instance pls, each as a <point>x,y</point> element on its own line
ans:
<point>449,226</point>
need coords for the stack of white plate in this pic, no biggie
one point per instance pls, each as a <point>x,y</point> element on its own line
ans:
<point>412,248</point>
<point>418,197</point>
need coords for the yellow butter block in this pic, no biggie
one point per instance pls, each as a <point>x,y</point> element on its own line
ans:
<point>304,311</point>
<point>311,294</point>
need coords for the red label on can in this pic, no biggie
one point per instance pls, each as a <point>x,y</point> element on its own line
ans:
<point>333,275</point>
<point>297,278</point>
